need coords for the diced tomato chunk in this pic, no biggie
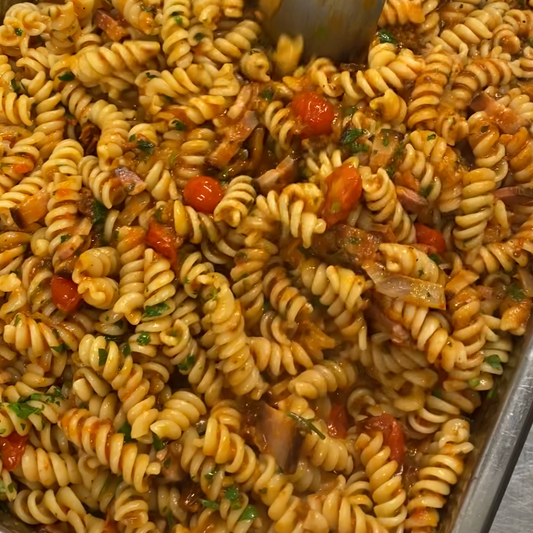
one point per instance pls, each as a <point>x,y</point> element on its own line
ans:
<point>203,193</point>
<point>338,420</point>
<point>393,435</point>
<point>162,238</point>
<point>430,237</point>
<point>316,113</point>
<point>12,449</point>
<point>65,294</point>
<point>343,190</point>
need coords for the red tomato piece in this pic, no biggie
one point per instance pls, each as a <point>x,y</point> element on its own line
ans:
<point>343,190</point>
<point>338,421</point>
<point>392,434</point>
<point>431,237</point>
<point>162,239</point>
<point>203,193</point>
<point>316,113</point>
<point>65,294</point>
<point>12,449</point>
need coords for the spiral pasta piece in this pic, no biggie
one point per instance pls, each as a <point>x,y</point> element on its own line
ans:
<point>238,198</point>
<point>109,447</point>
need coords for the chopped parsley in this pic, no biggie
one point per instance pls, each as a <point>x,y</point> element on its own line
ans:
<point>494,361</point>
<point>151,311</point>
<point>187,363</point>
<point>431,137</point>
<point>385,36</point>
<point>515,292</point>
<point>144,338</point>
<point>305,424</point>
<point>198,37</point>
<point>351,134</point>
<point>64,238</point>
<point>102,356</point>
<point>355,148</point>
<point>62,348</point>
<point>491,394</point>
<point>484,129</point>
<point>349,111</point>
<point>67,76</point>
<point>145,146</point>
<point>267,94</point>
<point>232,494</point>
<point>435,258</point>
<point>210,475</point>
<point>126,349</point>
<point>24,410</point>
<point>150,77</point>
<point>18,32</point>
<point>474,382</point>
<point>15,86</point>
<point>177,19</point>
<point>180,126</point>
<point>99,212</point>
<point>125,429</point>
<point>208,504</point>
<point>159,444</point>
<point>250,513</point>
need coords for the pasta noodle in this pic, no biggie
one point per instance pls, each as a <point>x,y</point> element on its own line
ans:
<point>235,288</point>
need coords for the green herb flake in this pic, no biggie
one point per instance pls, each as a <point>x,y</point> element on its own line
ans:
<point>349,111</point>
<point>198,37</point>
<point>250,513</point>
<point>187,363</point>
<point>166,463</point>
<point>11,487</point>
<point>354,240</point>
<point>151,311</point>
<point>18,32</point>
<point>131,139</point>
<point>125,429</point>
<point>144,338</point>
<point>515,292</point>
<point>335,207</point>
<point>146,146</point>
<point>61,348</point>
<point>474,382</point>
<point>99,212</point>
<point>64,238</point>
<point>305,424</point>
<point>177,19</point>
<point>431,137</point>
<point>180,126</point>
<point>210,505</point>
<point>126,349</point>
<point>24,410</point>
<point>159,444</point>
<point>210,475</point>
<point>435,258</point>
<point>350,135</point>
<point>484,129</point>
<point>267,94</point>
<point>2,487</point>
<point>15,86</point>
<point>102,356</point>
<point>232,494</point>
<point>385,36</point>
<point>17,320</point>
<point>491,394</point>
<point>67,76</point>
<point>494,361</point>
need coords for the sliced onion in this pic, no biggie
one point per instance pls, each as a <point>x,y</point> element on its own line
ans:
<point>413,291</point>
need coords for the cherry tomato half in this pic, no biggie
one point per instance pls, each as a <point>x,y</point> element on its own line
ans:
<point>430,237</point>
<point>65,294</point>
<point>316,113</point>
<point>338,421</point>
<point>392,434</point>
<point>343,191</point>
<point>12,449</point>
<point>162,239</point>
<point>203,193</point>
